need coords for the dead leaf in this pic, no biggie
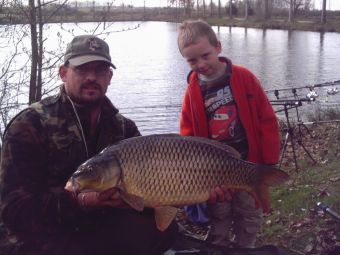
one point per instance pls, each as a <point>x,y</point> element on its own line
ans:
<point>308,248</point>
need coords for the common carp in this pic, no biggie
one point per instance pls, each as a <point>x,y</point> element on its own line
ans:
<point>167,171</point>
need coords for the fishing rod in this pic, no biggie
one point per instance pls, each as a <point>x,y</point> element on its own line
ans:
<point>319,122</point>
<point>318,85</point>
<point>326,209</point>
<point>290,103</point>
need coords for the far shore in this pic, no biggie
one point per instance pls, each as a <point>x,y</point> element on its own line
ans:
<point>308,22</point>
<point>279,23</point>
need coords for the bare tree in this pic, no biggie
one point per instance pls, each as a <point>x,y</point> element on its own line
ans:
<point>9,91</point>
<point>204,8</point>
<point>13,67</point>
<point>187,5</point>
<point>230,9</point>
<point>36,23</point>
<point>294,6</point>
<point>28,72</point>
<point>35,53</point>
<point>323,13</point>
<point>267,13</point>
<point>291,11</point>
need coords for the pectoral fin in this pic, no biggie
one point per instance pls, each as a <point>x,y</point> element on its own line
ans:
<point>134,201</point>
<point>164,215</point>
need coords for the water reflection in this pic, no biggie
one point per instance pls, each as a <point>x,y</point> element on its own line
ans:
<point>150,80</point>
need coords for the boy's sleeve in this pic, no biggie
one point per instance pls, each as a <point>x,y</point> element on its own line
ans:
<point>269,128</point>
<point>186,121</point>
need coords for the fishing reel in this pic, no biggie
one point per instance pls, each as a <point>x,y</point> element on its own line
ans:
<point>333,91</point>
<point>326,209</point>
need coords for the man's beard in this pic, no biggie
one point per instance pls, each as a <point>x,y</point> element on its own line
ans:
<point>79,100</point>
<point>89,103</point>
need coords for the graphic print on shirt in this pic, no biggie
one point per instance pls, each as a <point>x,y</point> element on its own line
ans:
<point>224,124</point>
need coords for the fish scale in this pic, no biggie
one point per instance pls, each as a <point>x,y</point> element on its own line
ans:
<point>177,165</point>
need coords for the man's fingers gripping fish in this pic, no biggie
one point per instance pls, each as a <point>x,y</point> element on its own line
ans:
<point>167,171</point>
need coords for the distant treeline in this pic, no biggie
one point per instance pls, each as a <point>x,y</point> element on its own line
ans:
<point>51,13</point>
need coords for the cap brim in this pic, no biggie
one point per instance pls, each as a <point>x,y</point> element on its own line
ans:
<point>77,61</point>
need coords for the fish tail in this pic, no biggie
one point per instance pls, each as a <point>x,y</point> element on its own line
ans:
<point>267,176</point>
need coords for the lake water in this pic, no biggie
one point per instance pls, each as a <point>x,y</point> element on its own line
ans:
<point>150,80</point>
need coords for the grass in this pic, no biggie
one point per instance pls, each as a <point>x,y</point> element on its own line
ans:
<point>296,223</point>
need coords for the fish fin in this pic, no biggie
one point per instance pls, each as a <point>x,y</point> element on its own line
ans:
<point>127,140</point>
<point>164,215</point>
<point>268,176</point>
<point>262,199</point>
<point>272,175</point>
<point>136,202</point>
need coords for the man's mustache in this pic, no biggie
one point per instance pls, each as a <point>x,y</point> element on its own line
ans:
<point>92,85</point>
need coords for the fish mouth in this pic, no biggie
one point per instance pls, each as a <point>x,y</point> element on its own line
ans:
<point>73,185</point>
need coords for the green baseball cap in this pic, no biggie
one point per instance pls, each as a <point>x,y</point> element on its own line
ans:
<point>87,48</point>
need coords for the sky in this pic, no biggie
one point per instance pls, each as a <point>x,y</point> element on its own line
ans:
<point>331,4</point>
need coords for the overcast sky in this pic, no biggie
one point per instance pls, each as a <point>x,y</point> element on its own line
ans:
<point>331,4</point>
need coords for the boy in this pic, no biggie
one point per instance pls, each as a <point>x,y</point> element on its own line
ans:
<point>225,102</point>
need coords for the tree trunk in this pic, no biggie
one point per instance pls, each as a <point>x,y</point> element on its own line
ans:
<point>230,9</point>
<point>40,54</point>
<point>93,9</point>
<point>188,6</point>
<point>204,8</point>
<point>290,18</point>
<point>323,13</point>
<point>219,9</point>
<point>266,10</point>
<point>246,4</point>
<point>35,55</point>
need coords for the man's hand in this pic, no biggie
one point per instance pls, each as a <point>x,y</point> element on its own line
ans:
<point>220,194</point>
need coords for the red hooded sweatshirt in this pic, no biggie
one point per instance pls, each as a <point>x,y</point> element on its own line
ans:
<point>254,109</point>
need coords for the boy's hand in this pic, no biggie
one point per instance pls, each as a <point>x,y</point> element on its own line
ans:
<point>220,194</point>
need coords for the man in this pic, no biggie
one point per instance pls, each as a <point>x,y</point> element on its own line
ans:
<point>45,143</point>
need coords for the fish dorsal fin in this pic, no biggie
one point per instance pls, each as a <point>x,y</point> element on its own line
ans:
<point>127,140</point>
<point>164,215</point>
<point>134,201</point>
<point>230,150</point>
<point>225,147</point>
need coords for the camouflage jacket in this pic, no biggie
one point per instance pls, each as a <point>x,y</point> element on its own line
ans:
<point>42,147</point>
